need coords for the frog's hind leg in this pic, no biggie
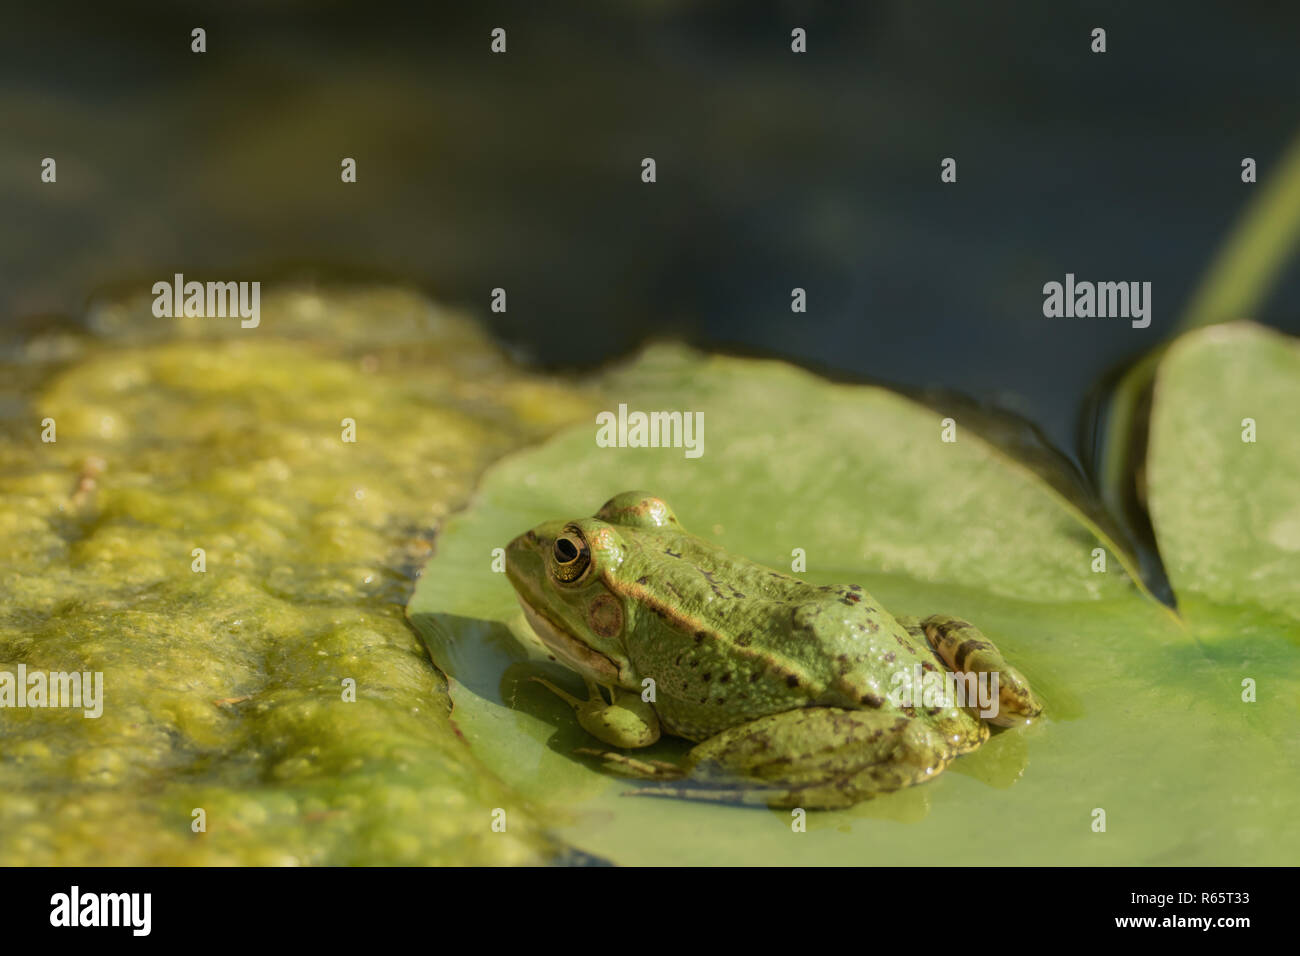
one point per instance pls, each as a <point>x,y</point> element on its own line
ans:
<point>966,651</point>
<point>815,758</point>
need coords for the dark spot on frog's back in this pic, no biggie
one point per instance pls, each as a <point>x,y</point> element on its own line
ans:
<point>791,680</point>
<point>671,553</point>
<point>717,588</point>
<point>955,624</point>
<point>872,700</point>
<point>643,580</point>
<point>966,647</point>
<point>744,640</point>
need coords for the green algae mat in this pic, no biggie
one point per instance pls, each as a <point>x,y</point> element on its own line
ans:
<point>1171,736</point>
<point>201,535</point>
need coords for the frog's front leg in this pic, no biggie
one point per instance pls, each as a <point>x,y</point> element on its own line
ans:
<point>626,721</point>
<point>965,650</point>
<point>814,757</point>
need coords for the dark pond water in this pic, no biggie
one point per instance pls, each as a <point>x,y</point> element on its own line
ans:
<point>774,170</point>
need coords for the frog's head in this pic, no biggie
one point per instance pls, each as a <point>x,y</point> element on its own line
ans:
<point>566,575</point>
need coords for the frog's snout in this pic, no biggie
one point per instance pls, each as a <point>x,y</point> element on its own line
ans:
<point>526,558</point>
<point>525,542</point>
<point>518,547</point>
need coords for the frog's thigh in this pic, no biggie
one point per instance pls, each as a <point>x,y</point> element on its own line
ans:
<point>966,650</point>
<point>815,757</point>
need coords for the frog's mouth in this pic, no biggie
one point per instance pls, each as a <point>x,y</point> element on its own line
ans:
<point>568,650</point>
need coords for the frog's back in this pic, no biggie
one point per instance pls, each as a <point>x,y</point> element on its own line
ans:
<point>728,640</point>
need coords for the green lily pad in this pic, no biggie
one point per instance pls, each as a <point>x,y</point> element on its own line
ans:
<point>1145,717</point>
<point>1224,476</point>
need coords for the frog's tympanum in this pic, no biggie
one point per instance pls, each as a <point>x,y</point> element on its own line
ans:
<point>790,689</point>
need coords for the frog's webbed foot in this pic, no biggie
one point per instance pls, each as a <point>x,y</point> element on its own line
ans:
<point>966,651</point>
<point>665,779</point>
<point>640,768</point>
<point>718,794</point>
<point>626,721</point>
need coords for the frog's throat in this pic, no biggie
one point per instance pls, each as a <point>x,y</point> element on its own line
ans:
<point>568,650</point>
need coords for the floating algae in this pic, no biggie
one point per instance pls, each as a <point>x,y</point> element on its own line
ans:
<point>202,536</point>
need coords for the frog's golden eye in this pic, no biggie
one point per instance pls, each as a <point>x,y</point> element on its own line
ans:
<point>571,556</point>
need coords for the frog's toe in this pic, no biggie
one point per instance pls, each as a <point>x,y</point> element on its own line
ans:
<point>639,767</point>
<point>559,692</point>
<point>966,651</point>
<point>709,793</point>
<point>1017,703</point>
<point>665,779</point>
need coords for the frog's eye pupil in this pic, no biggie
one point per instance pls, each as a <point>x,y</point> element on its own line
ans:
<point>565,550</point>
<point>571,558</point>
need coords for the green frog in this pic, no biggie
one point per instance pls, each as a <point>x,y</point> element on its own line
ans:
<point>797,695</point>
